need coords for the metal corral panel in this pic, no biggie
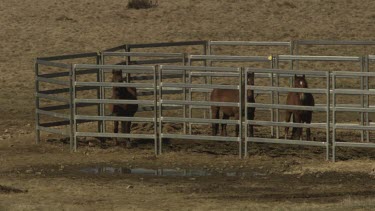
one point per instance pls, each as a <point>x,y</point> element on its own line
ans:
<point>115,135</point>
<point>286,141</point>
<point>196,137</point>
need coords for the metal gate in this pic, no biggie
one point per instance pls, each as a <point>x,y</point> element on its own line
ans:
<point>184,102</point>
<point>103,101</point>
<point>278,106</point>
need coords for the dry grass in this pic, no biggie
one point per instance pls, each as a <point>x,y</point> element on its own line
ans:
<point>52,27</point>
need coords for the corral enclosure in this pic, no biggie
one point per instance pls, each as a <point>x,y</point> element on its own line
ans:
<point>48,176</point>
<point>186,85</point>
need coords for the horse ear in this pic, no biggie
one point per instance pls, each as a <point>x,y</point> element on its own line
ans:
<point>303,76</point>
<point>250,75</point>
<point>295,76</point>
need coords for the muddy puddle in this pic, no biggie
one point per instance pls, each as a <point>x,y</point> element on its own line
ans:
<point>166,172</point>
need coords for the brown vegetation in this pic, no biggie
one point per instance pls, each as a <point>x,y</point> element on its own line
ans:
<point>294,178</point>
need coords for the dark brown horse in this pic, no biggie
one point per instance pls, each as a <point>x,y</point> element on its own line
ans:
<point>229,95</point>
<point>127,110</point>
<point>299,116</point>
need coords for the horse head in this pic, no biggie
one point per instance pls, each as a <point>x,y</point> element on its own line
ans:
<point>300,82</point>
<point>117,76</point>
<point>122,92</point>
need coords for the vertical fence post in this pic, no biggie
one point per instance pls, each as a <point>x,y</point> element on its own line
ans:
<point>333,117</point>
<point>362,98</point>
<point>328,98</point>
<point>241,102</point>
<point>127,62</point>
<point>272,95</point>
<point>207,80</point>
<point>73,122</point>
<point>292,46</point>
<point>296,52</point>
<point>156,68</point>
<point>291,50</point>
<point>209,52</point>
<point>98,93</point>
<point>208,46</point>
<point>184,57</point>
<point>367,104</point>
<point>37,104</point>
<point>102,94</point>
<point>185,107</point>
<point>245,110</point>
<point>190,96</point>
<point>160,113</point>
<point>208,63</point>
<point>276,60</point>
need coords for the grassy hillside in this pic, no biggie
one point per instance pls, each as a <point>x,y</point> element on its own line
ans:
<point>49,27</point>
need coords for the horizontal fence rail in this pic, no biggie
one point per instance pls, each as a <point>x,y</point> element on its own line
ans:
<point>70,56</point>
<point>318,58</point>
<point>163,57</point>
<point>167,44</point>
<point>192,58</point>
<point>248,43</point>
<point>333,42</point>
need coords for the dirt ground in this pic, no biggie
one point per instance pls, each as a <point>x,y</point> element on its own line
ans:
<point>274,177</point>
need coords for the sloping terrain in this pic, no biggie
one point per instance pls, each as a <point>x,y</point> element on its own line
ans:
<point>47,176</point>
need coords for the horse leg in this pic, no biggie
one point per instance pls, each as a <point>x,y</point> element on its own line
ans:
<point>308,121</point>
<point>128,125</point>
<point>236,116</point>
<point>115,130</point>
<point>294,129</point>
<point>215,115</point>
<point>298,131</point>
<point>125,128</point>
<point>250,128</point>
<point>224,126</point>
<point>288,114</point>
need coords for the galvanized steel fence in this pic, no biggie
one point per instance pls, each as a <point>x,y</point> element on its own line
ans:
<point>59,99</point>
<point>188,101</point>
<point>158,88</point>
<point>364,109</point>
<point>279,89</point>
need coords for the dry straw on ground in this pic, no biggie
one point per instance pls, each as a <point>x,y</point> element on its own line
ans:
<point>296,179</point>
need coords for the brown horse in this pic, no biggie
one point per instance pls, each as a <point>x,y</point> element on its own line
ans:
<point>127,110</point>
<point>229,95</point>
<point>299,116</point>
